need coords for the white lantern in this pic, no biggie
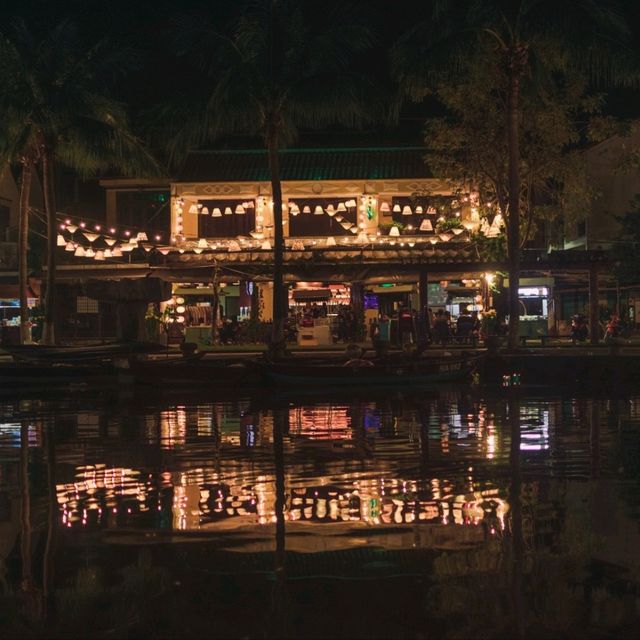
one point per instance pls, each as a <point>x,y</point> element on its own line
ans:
<point>204,211</point>
<point>384,207</point>
<point>419,209</point>
<point>228,211</point>
<point>60,241</point>
<point>193,209</point>
<point>341,207</point>
<point>89,253</point>
<point>79,251</point>
<point>394,232</point>
<point>426,225</point>
<point>331,241</point>
<point>70,246</point>
<point>306,209</point>
<point>406,210</point>
<point>90,236</point>
<point>396,208</point>
<point>99,255</point>
<point>318,211</point>
<point>240,210</point>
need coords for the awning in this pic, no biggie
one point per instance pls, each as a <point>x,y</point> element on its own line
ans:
<point>311,295</point>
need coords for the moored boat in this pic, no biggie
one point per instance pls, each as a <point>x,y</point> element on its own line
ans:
<point>16,374</point>
<point>186,371</point>
<point>360,372</point>
<point>79,354</point>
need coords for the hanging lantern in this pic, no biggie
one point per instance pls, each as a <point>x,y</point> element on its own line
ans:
<point>60,241</point>
<point>70,246</point>
<point>433,240</point>
<point>266,246</point>
<point>204,211</point>
<point>99,255</point>
<point>193,208</point>
<point>331,210</point>
<point>142,237</point>
<point>346,225</point>
<point>445,237</point>
<point>240,210</point>
<point>197,250</point>
<point>108,253</point>
<point>202,243</point>
<point>228,211</point>
<point>306,209</point>
<point>164,251</point>
<point>339,218</point>
<point>331,241</point>
<point>91,237</point>
<point>250,205</point>
<point>89,253</point>
<point>426,225</point>
<point>71,228</point>
<point>341,207</point>
<point>397,208</point>
<point>318,211</point>
<point>117,252</point>
<point>457,231</point>
<point>353,229</point>
<point>294,209</point>
<point>350,203</point>
<point>384,207</point>
<point>110,241</point>
<point>394,232</point>
<point>216,213</point>
<point>127,247</point>
<point>79,251</point>
<point>419,209</point>
<point>406,210</point>
<point>431,210</point>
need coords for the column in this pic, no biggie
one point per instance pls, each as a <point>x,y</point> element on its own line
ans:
<point>357,305</point>
<point>594,319</point>
<point>423,330</point>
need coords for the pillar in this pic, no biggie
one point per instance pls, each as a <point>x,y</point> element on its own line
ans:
<point>423,329</point>
<point>594,319</point>
<point>357,304</point>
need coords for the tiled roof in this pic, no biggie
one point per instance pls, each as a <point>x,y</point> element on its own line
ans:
<point>379,163</point>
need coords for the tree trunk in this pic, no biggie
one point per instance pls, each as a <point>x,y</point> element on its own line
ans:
<point>515,64</point>
<point>277,337</point>
<point>215,305</point>
<point>48,333</point>
<point>23,250</point>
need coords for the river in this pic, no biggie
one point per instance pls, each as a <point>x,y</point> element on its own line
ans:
<point>442,513</point>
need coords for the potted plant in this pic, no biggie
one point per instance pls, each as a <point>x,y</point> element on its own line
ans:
<point>489,326</point>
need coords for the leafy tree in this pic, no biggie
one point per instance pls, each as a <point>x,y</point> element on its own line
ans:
<point>533,42</point>
<point>56,108</point>
<point>281,66</point>
<point>469,145</point>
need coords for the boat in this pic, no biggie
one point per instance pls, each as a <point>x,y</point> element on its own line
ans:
<point>31,374</point>
<point>187,372</point>
<point>79,354</point>
<point>361,372</point>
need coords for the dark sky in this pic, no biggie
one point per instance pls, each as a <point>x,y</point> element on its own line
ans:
<point>148,27</point>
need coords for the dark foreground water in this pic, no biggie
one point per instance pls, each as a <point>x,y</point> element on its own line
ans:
<point>436,514</point>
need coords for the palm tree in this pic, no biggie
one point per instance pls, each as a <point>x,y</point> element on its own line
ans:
<point>56,108</point>
<point>535,39</point>
<point>284,66</point>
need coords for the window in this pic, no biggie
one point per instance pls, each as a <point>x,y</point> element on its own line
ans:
<point>307,223</point>
<point>227,223</point>
<point>144,210</point>
<point>86,305</point>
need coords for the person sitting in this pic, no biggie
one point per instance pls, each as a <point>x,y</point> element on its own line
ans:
<point>441,330</point>
<point>464,327</point>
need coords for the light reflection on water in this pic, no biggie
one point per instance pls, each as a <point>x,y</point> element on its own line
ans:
<point>398,473</point>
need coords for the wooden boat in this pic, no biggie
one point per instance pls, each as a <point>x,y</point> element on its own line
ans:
<point>360,372</point>
<point>79,354</point>
<point>186,371</point>
<point>19,374</point>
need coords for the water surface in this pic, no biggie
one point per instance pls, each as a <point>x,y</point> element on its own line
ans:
<point>448,513</point>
